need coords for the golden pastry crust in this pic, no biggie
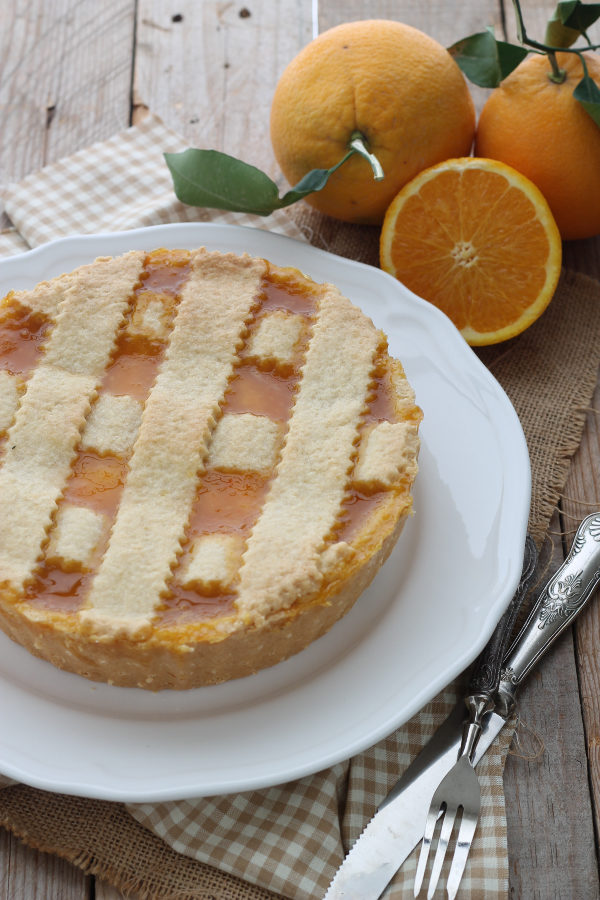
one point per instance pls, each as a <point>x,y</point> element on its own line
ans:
<point>344,435</point>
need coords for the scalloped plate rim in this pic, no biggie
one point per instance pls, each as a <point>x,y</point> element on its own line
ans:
<point>470,386</point>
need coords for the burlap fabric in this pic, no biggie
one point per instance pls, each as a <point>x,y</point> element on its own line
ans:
<point>287,841</point>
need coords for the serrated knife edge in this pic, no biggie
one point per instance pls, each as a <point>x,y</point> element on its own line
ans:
<point>397,826</point>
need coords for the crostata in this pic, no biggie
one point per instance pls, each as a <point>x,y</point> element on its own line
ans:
<point>204,460</point>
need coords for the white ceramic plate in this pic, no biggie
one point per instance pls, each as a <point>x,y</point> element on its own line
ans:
<point>423,620</point>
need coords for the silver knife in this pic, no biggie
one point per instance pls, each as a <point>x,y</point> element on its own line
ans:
<point>397,826</point>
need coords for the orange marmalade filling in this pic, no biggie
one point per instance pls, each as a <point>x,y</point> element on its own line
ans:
<point>225,502</point>
<point>21,337</point>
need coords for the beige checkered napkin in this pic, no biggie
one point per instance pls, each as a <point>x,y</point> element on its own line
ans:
<point>288,839</point>
<point>291,839</point>
<point>11,242</point>
<point>113,185</point>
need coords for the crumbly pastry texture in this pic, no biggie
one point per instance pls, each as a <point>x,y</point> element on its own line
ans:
<point>205,460</point>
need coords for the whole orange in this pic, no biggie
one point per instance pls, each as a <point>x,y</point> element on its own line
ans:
<point>537,127</point>
<point>391,83</point>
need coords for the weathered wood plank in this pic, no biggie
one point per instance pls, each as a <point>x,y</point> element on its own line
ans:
<point>583,256</point>
<point>549,817</point>
<point>446,22</point>
<point>563,854</point>
<point>582,496</point>
<point>26,874</point>
<point>66,73</point>
<point>210,69</point>
<point>64,82</point>
<point>582,493</point>
<point>65,76</point>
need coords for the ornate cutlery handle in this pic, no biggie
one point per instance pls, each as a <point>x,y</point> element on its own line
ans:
<point>561,600</point>
<point>485,677</point>
<point>486,672</point>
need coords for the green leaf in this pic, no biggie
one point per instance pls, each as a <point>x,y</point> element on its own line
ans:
<point>575,14</point>
<point>509,57</point>
<point>218,181</point>
<point>486,61</point>
<point>558,35</point>
<point>315,180</point>
<point>569,21</point>
<point>587,93</point>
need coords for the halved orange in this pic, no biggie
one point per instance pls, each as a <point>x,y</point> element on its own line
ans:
<point>477,239</point>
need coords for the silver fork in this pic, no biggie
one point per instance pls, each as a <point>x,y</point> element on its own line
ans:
<point>460,789</point>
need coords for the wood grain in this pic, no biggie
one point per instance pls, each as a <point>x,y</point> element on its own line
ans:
<point>66,75</point>
<point>446,22</point>
<point>551,830</point>
<point>582,497</point>
<point>219,95</point>
<point>551,842</point>
<point>66,70</point>
<point>26,874</point>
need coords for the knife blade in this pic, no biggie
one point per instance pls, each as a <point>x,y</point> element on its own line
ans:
<point>395,829</point>
<point>397,825</point>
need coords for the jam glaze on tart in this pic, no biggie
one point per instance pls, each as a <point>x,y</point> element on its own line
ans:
<point>204,458</point>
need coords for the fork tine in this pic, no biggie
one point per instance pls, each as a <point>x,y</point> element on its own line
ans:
<point>432,817</point>
<point>459,860</point>
<point>444,839</point>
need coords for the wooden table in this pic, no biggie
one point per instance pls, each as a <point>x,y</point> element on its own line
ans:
<point>76,71</point>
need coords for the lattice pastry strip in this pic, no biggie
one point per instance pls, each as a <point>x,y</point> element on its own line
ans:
<point>312,473</point>
<point>151,318</point>
<point>380,464</point>
<point>213,562</point>
<point>112,425</point>
<point>276,337</point>
<point>45,297</point>
<point>76,536</point>
<point>46,429</point>
<point>178,418</point>
<point>245,443</point>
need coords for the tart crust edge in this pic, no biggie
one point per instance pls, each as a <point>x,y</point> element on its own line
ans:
<point>165,665</point>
